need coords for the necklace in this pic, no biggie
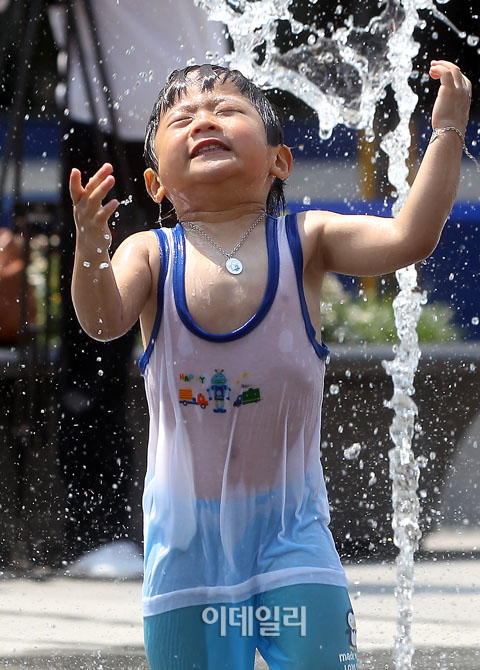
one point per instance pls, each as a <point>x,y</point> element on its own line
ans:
<point>233,265</point>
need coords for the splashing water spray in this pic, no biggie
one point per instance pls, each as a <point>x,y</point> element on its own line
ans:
<point>342,77</point>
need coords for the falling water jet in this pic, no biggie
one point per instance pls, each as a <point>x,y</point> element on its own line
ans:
<point>342,78</point>
<point>404,469</point>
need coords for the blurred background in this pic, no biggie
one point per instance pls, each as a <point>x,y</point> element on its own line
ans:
<point>46,520</point>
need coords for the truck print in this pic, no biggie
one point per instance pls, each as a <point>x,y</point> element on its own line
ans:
<point>246,397</point>
<point>186,397</point>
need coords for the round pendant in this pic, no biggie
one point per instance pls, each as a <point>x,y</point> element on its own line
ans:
<point>234,266</point>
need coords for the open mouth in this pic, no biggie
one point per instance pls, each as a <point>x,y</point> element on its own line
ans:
<point>208,147</point>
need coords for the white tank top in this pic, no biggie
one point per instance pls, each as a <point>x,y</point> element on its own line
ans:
<point>235,501</point>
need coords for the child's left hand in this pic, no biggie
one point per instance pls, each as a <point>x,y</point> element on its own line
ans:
<point>454,96</point>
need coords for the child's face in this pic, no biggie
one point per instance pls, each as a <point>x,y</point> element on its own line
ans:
<point>211,138</point>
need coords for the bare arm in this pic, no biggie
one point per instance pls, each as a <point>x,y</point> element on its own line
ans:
<point>108,295</point>
<point>367,245</point>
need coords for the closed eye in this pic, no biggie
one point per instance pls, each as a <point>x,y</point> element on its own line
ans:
<point>180,120</point>
<point>229,110</point>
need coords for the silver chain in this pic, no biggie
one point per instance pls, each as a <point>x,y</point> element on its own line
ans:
<point>440,131</point>
<point>197,229</point>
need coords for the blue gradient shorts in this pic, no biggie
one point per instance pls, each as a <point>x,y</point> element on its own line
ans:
<point>300,627</point>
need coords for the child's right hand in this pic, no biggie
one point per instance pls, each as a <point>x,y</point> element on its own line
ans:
<point>91,217</point>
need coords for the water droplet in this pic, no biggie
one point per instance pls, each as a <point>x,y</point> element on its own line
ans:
<point>103,266</point>
<point>307,200</point>
<point>86,264</point>
<point>472,40</point>
<point>334,389</point>
<point>127,200</point>
<point>422,461</point>
<point>100,372</point>
<point>352,452</point>
<point>475,321</point>
<point>99,250</point>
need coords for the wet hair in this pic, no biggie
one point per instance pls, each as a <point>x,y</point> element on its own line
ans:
<point>206,77</point>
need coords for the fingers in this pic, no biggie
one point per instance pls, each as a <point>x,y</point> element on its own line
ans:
<point>92,198</point>
<point>449,75</point>
<point>454,96</point>
<point>75,185</point>
<point>96,196</point>
<point>99,177</point>
<point>108,209</point>
<point>76,189</point>
<point>88,200</point>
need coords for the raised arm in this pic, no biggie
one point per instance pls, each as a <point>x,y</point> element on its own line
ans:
<point>367,245</point>
<point>108,295</point>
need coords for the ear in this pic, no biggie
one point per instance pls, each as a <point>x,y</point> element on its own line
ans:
<point>283,162</point>
<point>153,185</point>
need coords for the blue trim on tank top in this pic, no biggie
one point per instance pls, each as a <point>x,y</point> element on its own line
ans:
<point>164,257</point>
<point>295,245</point>
<point>268,298</point>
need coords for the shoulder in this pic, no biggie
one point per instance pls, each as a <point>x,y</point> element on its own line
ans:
<point>311,228</point>
<point>143,243</point>
<point>145,239</point>
<point>315,220</point>
<point>138,255</point>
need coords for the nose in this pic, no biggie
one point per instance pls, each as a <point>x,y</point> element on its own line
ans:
<point>204,120</point>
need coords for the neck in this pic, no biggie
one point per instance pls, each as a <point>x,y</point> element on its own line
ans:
<point>228,224</point>
<point>219,202</point>
<point>224,217</point>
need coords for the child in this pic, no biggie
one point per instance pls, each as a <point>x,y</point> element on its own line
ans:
<point>238,555</point>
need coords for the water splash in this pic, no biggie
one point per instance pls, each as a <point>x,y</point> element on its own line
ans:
<point>342,77</point>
